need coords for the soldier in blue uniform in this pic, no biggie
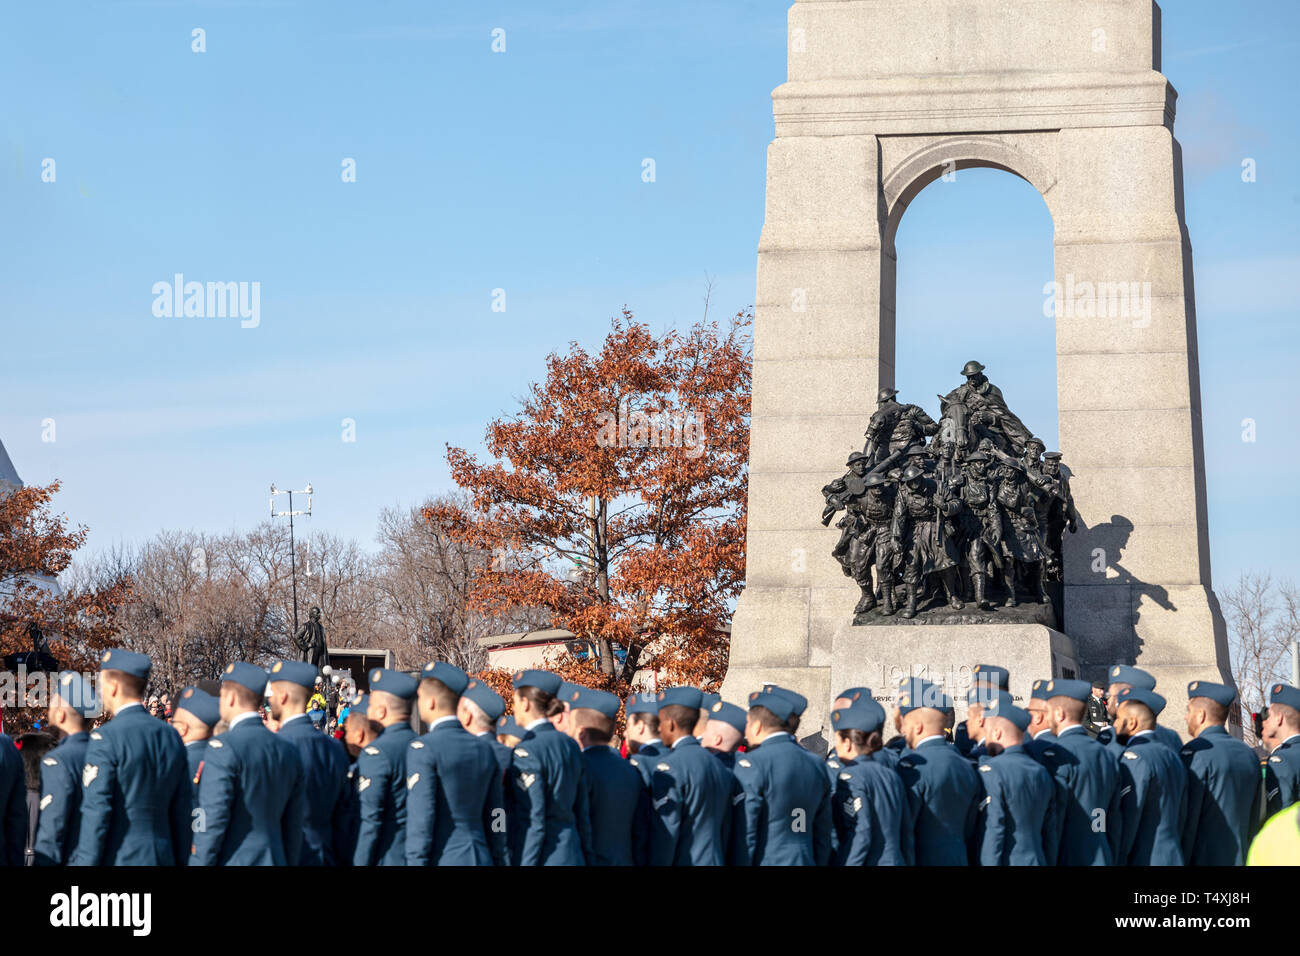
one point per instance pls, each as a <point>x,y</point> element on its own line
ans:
<point>707,700</point>
<point>1039,737</point>
<point>642,733</point>
<point>453,782</point>
<point>510,734</point>
<point>1122,677</point>
<point>787,796</point>
<point>324,764</point>
<point>194,716</point>
<point>1153,784</point>
<point>724,732</point>
<point>1223,782</point>
<point>13,804</point>
<point>251,796</point>
<point>136,798</point>
<point>380,774</point>
<point>359,732</point>
<point>548,776</point>
<point>1017,823</point>
<point>690,790</point>
<point>479,710</point>
<point>72,705</point>
<point>798,704</point>
<point>616,796</point>
<point>982,676</point>
<point>1087,777</point>
<point>942,786</point>
<point>869,802</point>
<point>1282,736</point>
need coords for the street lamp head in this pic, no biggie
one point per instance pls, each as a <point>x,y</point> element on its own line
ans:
<point>273,487</point>
<point>308,488</point>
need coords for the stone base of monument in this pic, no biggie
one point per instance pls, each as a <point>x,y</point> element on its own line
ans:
<point>879,657</point>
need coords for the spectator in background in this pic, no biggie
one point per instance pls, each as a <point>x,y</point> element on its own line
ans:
<point>33,748</point>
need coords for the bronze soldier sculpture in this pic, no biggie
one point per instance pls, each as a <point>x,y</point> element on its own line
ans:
<point>1022,544</point>
<point>1061,514</point>
<point>980,523</point>
<point>868,504</point>
<point>894,426</point>
<point>919,532</point>
<point>977,410</point>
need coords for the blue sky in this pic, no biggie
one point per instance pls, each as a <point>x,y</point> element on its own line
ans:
<point>518,171</point>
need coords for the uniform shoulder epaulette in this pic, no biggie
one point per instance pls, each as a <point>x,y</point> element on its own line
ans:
<point>96,735</point>
<point>216,743</point>
<point>372,750</point>
<point>50,762</point>
<point>417,744</point>
<point>1130,755</point>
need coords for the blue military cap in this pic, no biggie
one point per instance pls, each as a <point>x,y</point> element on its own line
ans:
<point>566,690</point>
<point>728,714</point>
<point>128,662</point>
<point>401,686</point>
<point>589,698</point>
<point>641,704</point>
<point>865,715</point>
<point>507,727</point>
<point>1134,676</point>
<point>680,696</point>
<point>1142,695</point>
<point>296,672</point>
<point>246,675</point>
<point>916,692</point>
<point>544,681</point>
<point>1002,705</point>
<point>201,704</point>
<point>992,674</point>
<point>75,691</point>
<point>708,699</point>
<point>798,701</point>
<point>854,693</point>
<point>1286,695</point>
<point>359,705</point>
<point>781,706</point>
<point>1064,687</point>
<point>488,700</point>
<point>983,693</point>
<point>451,676</point>
<point>1039,690</point>
<point>1219,693</point>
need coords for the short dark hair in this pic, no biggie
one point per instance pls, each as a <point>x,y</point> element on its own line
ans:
<point>243,695</point>
<point>681,715</point>
<point>444,698</point>
<point>1214,710</point>
<point>768,720</point>
<point>650,720</point>
<point>133,685</point>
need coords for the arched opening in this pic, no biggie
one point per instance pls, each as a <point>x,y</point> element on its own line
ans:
<point>973,254</point>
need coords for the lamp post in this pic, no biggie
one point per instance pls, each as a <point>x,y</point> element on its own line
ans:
<point>293,552</point>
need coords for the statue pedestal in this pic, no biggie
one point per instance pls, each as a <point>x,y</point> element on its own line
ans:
<point>880,656</point>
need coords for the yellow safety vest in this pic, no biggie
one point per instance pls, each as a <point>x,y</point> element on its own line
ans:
<point>1278,844</point>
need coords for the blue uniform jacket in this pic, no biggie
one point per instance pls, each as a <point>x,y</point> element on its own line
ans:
<point>1164,735</point>
<point>644,760</point>
<point>136,800</point>
<point>380,781</point>
<point>1223,783</point>
<point>1088,795</point>
<point>620,809</point>
<point>251,799</point>
<point>325,786</point>
<point>1282,776</point>
<point>787,805</point>
<point>552,799</point>
<point>13,804</point>
<point>60,822</point>
<point>453,790</point>
<point>690,806</point>
<point>1153,804</point>
<point>506,812</point>
<point>942,802</point>
<point>869,806</point>
<point>1017,822</point>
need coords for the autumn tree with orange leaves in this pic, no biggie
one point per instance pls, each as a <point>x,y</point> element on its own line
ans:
<point>618,490</point>
<point>36,545</point>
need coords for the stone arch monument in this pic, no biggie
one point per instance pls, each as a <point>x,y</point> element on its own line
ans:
<point>883,97</point>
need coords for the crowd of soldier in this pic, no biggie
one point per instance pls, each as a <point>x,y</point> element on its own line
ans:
<point>705,782</point>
